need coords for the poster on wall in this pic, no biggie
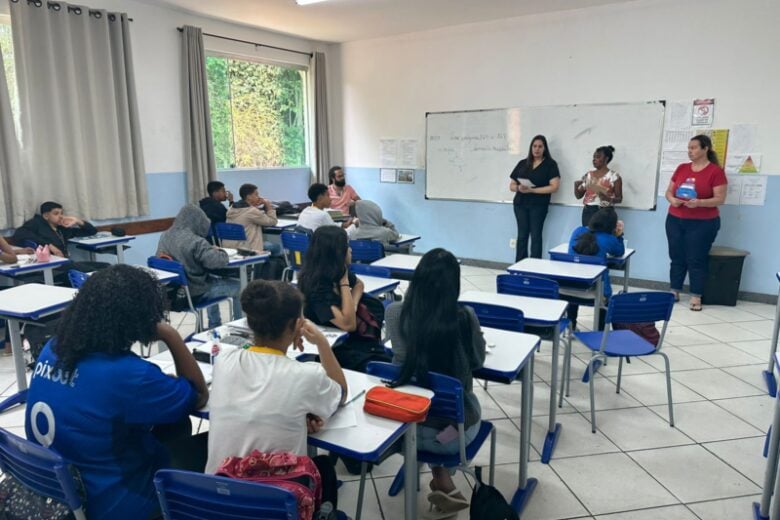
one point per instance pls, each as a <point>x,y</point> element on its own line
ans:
<point>703,112</point>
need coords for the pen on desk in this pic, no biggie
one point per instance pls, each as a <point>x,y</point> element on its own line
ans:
<point>355,397</point>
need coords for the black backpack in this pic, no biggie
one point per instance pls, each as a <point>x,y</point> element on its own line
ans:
<point>487,503</point>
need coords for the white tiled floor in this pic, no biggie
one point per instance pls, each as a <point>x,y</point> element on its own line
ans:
<point>636,467</point>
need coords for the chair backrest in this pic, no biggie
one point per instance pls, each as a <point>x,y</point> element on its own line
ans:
<point>522,285</point>
<point>370,270</point>
<point>579,259</point>
<point>640,307</point>
<point>227,231</point>
<point>366,250</point>
<point>39,469</point>
<point>295,246</point>
<point>77,278</point>
<point>498,316</point>
<point>447,401</point>
<point>187,495</point>
<point>172,266</point>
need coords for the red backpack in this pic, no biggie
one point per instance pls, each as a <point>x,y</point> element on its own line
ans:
<point>286,470</point>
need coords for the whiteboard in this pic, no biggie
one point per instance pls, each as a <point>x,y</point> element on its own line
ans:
<point>470,154</point>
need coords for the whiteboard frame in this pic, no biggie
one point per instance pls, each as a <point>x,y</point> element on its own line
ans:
<point>658,163</point>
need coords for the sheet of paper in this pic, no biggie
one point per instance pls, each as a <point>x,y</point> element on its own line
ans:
<point>526,182</point>
<point>388,152</point>
<point>703,112</point>
<point>743,138</point>
<point>678,114</point>
<point>753,190</point>
<point>345,417</point>
<point>663,182</point>
<point>676,140</point>
<point>743,163</point>
<point>671,160</point>
<point>735,190</point>
<point>387,175</point>
<point>408,153</point>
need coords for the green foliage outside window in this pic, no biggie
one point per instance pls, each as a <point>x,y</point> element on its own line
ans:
<point>257,114</point>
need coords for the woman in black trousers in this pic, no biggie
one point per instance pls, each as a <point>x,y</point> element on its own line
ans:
<point>533,180</point>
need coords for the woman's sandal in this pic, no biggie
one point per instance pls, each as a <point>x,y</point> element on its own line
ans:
<point>447,503</point>
<point>695,306</point>
<point>676,296</point>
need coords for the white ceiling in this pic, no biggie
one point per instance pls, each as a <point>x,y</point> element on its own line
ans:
<point>349,20</point>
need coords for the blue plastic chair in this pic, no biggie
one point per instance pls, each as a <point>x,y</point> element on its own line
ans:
<point>195,308</point>
<point>295,246</point>
<point>638,307</point>
<point>41,470</point>
<point>447,404</point>
<point>537,287</point>
<point>188,495</point>
<point>366,251</point>
<point>370,270</point>
<point>226,231</point>
<point>498,316</point>
<point>77,278</point>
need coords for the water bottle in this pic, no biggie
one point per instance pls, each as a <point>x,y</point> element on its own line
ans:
<point>326,512</point>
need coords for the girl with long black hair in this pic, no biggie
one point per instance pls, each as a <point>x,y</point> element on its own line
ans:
<point>432,332</point>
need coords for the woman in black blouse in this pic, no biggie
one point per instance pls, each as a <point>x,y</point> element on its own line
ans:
<point>533,180</point>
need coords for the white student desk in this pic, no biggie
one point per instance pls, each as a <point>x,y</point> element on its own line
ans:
<point>29,302</point>
<point>164,360</point>
<point>17,269</point>
<point>244,263</point>
<point>399,263</point>
<point>570,272</point>
<point>164,277</point>
<point>510,354</point>
<point>769,375</point>
<point>537,312</point>
<point>376,286</point>
<point>771,482</point>
<point>405,242</point>
<point>618,263</point>
<point>281,225</point>
<point>102,242</point>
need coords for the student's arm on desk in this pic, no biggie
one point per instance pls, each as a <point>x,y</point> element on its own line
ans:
<point>8,256</point>
<point>185,363</point>
<point>327,359</point>
<point>345,317</point>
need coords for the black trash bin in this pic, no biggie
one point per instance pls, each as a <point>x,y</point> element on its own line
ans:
<point>722,286</point>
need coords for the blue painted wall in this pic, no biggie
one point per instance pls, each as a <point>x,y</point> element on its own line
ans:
<point>168,193</point>
<point>482,230</point>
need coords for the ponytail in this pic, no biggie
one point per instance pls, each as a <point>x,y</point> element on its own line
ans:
<point>586,244</point>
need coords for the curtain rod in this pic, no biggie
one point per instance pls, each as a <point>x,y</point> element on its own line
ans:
<point>309,54</point>
<point>75,9</point>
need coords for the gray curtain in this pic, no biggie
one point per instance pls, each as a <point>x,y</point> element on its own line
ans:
<point>81,137</point>
<point>198,145</point>
<point>10,174</point>
<point>321,139</point>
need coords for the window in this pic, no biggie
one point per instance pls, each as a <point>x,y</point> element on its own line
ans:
<point>257,113</point>
<point>7,49</point>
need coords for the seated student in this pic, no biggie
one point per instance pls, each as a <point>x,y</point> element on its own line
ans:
<point>213,205</point>
<point>186,243</point>
<point>602,237</point>
<point>247,212</point>
<point>8,256</point>
<point>51,227</point>
<point>432,332</point>
<point>372,225</point>
<point>315,216</point>
<point>342,196</point>
<point>96,403</point>
<point>264,400</point>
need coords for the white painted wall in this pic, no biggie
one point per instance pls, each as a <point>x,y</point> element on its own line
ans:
<point>644,50</point>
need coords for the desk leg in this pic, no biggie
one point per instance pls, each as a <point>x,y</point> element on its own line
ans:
<point>18,352</point>
<point>599,296</point>
<point>48,276</point>
<point>526,486</point>
<point>771,467</point>
<point>120,253</point>
<point>626,269</point>
<point>410,472</point>
<point>769,373</point>
<point>243,274</point>
<point>553,429</point>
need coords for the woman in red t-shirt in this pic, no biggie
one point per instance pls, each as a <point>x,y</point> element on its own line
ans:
<point>696,190</point>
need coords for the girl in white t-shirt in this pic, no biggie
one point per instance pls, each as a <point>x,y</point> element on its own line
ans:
<point>601,187</point>
<point>264,400</point>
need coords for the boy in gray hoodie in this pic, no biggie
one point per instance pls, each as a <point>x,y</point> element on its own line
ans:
<point>372,225</point>
<point>186,243</point>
